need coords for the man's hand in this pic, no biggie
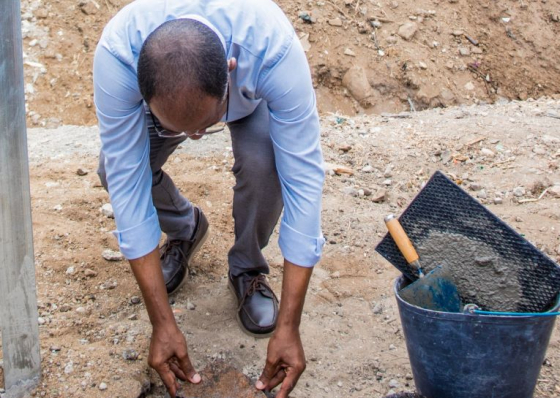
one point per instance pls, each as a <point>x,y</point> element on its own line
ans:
<point>169,357</point>
<point>168,347</point>
<point>285,363</point>
<point>285,360</point>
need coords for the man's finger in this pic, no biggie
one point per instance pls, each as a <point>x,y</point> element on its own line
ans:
<point>277,379</point>
<point>188,369</point>
<point>292,377</point>
<point>178,371</point>
<point>168,379</point>
<point>270,369</point>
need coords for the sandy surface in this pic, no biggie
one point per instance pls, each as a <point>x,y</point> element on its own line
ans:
<point>91,317</point>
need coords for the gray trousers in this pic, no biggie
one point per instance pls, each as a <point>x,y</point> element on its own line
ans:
<point>257,199</point>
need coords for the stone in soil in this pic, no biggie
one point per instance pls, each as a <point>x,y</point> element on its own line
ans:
<point>220,380</point>
<point>408,30</point>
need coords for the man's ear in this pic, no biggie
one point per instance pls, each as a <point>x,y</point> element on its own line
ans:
<point>232,64</point>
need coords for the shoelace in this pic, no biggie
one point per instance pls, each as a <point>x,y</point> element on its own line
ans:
<point>258,284</point>
<point>168,246</point>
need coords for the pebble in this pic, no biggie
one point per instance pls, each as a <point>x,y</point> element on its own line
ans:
<point>482,194</point>
<point>103,386</point>
<point>335,22</point>
<point>349,52</point>
<point>380,196</point>
<point>350,191</point>
<point>387,182</point>
<point>70,271</point>
<point>133,317</point>
<point>107,210</point>
<point>408,30</point>
<point>191,306</point>
<point>130,355</point>
<point>469,86</point>
<point>519,192</point>
<point>464,52</point>
<point>554,191</point>
<point>367,169</point>
<point>422,65</point>
<point>41,321</point>
<point>90,273</point>
<point>89,7</point>
<point>474,186</point>
<point>135,300</point>
<point>378,308</point>
<point>111,255</point>
<point>393,383</point>
<point>498,201</point>
<point>82,172</point>
<point>487,152</point>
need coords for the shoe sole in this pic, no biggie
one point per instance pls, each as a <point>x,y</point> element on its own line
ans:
<point>193,253</point>
<point>241,326</point>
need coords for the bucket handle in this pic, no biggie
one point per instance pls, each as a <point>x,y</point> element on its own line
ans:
<point>474,309</point>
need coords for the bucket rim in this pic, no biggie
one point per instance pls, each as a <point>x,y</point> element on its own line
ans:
<point>460,316</point>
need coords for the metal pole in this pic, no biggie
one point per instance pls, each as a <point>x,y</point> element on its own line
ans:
<point>18,301</point>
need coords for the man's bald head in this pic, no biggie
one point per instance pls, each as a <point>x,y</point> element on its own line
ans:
<point>181,62</point>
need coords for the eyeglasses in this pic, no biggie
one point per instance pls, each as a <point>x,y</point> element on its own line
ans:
<point>215,128</point>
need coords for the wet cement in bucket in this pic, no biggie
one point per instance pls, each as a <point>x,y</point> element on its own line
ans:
<point>478,271</point>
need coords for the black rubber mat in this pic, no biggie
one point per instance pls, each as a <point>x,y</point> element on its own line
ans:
<point>442,206</point>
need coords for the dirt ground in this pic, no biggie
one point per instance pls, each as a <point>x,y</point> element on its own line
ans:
<point>94,328</point>
<point>365,56</point>
<point>93,324</point>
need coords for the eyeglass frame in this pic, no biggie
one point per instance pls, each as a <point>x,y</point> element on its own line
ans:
<point>163,133</point>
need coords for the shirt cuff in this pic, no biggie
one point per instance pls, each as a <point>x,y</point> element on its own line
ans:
<point>300,249</point>
<point>141,239</point>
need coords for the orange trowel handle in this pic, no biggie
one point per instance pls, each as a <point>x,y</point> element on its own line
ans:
<point>401,239</point>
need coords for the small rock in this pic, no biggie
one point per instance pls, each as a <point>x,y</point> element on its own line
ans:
<point>130,355</point>
<point>41,321</point>
<point>539,150</point>
<point>394,5</point>
<point>498,201</point>
<point>449,65</point>
<point>367,169</point>
<point>393,383</point>
<point>422,65</point>
<point>41,13</point>
<point>487,152</point>
<point>376,24</point>
<point>81,310</point>
<point>135,300</point>
<point>356,81</point>
<point>133,317</point>
<point>387,182</point>
<point>111,255</point>
<point>469,86</point>
<point>335,22</point>
<point>554,191</point>
<point>57,208</point>
<point>392,347</point>
<point>474,186</point>
<point>65,308</point>
<point>482,194</point>
<point>89,7</point>
<point>519,192</point>
<point>335,275</point>
<point>107,210</point>
<point>90,273</point>
<point>464,52</point>
<point>81,172</point>
<point>103,386</point>
<point>349,52</point>
<point>190,305</point>
<point>70,271</point>
<point>367,191</point>
<point>69,368</point>
<point>408,30</point>
<point>378,308</point>
<point>380,196</point>
<point>350,191</point>
<point>55,348</point>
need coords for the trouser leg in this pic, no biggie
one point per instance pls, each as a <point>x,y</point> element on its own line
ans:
<point>257,198</point>
<point>175,212</point>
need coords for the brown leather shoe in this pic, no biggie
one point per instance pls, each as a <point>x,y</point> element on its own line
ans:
<point>176,254</point>
<point>257,305</point>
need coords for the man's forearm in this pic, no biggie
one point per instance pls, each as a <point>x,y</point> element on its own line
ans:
<point>147,271</point>
<point>294,288</point>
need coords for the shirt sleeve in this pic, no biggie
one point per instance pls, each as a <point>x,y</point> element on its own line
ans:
<point>295,132</point>
<point>126,149</point>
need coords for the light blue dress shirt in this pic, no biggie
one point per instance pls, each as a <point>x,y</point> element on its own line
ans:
<point>271,66</point>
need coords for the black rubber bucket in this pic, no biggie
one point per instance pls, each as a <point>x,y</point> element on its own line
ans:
<point>455,355</point>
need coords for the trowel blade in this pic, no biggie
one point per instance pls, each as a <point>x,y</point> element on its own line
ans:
<point>435,291</point>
